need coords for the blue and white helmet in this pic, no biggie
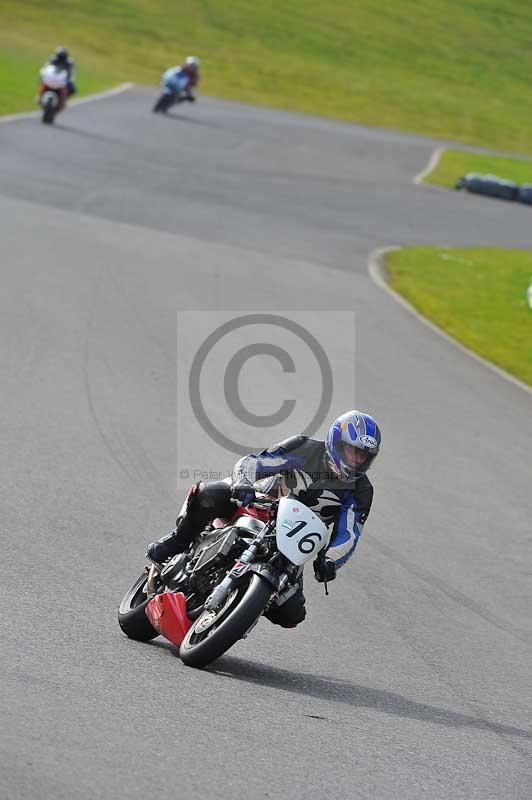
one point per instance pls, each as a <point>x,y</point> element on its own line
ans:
<point>359,430</point>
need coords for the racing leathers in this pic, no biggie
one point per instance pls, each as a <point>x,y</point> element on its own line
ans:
<point>301,464</point>
<point>70,66</point>
<point>182,79</point>
<point>297,465</point>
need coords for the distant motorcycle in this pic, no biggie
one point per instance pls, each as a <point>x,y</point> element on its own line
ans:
<point>176,89</point>
<point>52,91</point>
<point>206,599</point>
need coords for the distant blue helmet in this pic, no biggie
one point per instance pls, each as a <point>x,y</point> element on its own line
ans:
<point>358,430</point>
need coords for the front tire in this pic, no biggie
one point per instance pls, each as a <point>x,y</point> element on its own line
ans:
<point>48,113</point>
<point>131,613</point>
<point>213,635</point>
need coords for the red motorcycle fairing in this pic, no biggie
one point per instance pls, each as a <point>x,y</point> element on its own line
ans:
<point>61,94</point>
<point>250,511</point>
<point>244,511</point>
<point>167,613</point>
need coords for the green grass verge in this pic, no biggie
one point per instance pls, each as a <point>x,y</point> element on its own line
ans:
<point>477,295</point>
<point>453,164</point>
<point>445,68</point>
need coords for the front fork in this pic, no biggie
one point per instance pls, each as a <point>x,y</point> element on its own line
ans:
<point>151,582</point>
<point>246,563</point>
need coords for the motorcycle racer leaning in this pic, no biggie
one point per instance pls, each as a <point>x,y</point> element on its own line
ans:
<point>327,476</point>
<point>189,70</point>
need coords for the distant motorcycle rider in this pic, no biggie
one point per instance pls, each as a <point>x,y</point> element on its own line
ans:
<point>62,60</point>
<point>328,476</point>
<point>187,74</point>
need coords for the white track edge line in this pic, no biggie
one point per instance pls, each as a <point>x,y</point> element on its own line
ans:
<point>377,272</point>
<point>435,157</point>
<point>123,87</point>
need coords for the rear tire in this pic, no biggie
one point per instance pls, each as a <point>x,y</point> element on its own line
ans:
<point>203,644</point>
<point>131,613</point>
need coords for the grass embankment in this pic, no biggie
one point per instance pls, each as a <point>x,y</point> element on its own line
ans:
<point>478,296</point>
<point>453,164</point>
<point>445,68</point>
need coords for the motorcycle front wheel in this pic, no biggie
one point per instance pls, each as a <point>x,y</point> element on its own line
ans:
<point>214,632</point>
<point>48,113</point>
<point>131,613</point>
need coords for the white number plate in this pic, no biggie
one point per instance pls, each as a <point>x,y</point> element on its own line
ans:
<point>300,534</point>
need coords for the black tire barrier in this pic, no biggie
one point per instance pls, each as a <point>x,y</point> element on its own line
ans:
<point>492,186</point>
<point>525,194</point>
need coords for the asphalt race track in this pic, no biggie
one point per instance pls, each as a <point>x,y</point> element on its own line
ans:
<point>414,677</point>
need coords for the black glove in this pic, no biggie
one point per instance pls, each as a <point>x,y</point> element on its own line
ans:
<point>324,569</point>
<point>245,493</point>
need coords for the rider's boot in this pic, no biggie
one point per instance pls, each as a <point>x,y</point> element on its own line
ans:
<point>173,543</point>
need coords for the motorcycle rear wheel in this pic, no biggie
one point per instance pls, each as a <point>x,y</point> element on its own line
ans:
<point>213,633</point>
<point>131,613</point>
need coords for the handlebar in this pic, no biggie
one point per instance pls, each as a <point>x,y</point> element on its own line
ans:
<point>262,506</point>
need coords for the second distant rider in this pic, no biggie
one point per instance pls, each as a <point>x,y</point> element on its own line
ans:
<point>61,58</point>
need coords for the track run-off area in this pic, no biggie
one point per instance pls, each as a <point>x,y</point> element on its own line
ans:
<point>413,678</point>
